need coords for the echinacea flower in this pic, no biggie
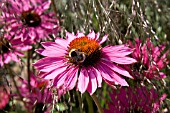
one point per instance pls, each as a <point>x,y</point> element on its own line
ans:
<point>4,97</point>
<point>38,98</point>
<point>150,60</point>
<point>10,50</point>
<point>80,61</point>
<point>29,20</point>
<point>134,100</point>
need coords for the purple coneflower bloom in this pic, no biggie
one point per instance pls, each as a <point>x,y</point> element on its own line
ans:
<point>38,98</point>
<point>150,60</point>
<point>10,49</point>
<point>80,60</point>
<point>134,100</point>
<point>28,20</point>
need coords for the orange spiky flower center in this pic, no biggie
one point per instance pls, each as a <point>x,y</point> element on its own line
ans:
<point>84,51</point>
<point>30,18</point>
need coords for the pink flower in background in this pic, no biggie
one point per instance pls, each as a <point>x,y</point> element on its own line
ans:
<point>80,61</point>
<point>39,99</point>
<point>10,50</point>
<point>4,97</point>
<point>150,60</point>
<point>28,19</point>
<point>134,100</point>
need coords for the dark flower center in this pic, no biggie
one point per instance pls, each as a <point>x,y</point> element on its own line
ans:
<point>30,18</point>
<point>40,108</point>
<point>4,46</point>
<point>84,51</point>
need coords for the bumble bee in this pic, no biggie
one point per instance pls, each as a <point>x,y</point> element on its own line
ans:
<point>76,56</point>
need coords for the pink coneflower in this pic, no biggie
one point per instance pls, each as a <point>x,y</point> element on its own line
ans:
<point>134,100</point>
<point>28,20</point>
<point>4,97</point>
<point>150,60</point>
<point>38,98</point>
<point>80,60</point>
<point>10,50</point>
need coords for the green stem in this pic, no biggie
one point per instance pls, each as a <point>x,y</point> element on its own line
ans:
<point>90,103</point>
<point>54,7</point>
<point>97,103</point>
<point>28,69</point>
<point>15,84</point>
<point>80,102</point>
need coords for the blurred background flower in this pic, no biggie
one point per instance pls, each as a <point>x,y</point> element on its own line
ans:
<point>11,49</point>
<point>151,60</point>
<point>29,20</point>
<point>38,97</point>
<point>134,100</point>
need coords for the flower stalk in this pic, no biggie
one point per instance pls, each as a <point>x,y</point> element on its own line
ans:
<point>80,102</point>
<point>12,76</point>
<point>28,69</point>
<point>97,103</point>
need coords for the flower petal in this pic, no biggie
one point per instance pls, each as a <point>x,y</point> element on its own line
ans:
<point>70,37</point>
<point>83,80</point>
<point>48,64</point>
<point>109,75</point>
<point>120,60</point>
<point>116,68</point>
<point>55,73</point>
<point>91,35</point>
<point>52,53</point>
<point>103,39</point>
<point>79,34</point>
<point>92,86</point>
<point>71,79</point>
<point>120,50</point>
<point>98,76</point>
<point>61,42</point>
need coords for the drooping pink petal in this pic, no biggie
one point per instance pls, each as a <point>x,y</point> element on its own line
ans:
<point>55,73</point>
<point>52,46</point>
<point>59,80</point>
<point>110,75</point>
<point>116,68</point>
<point>97,75</point>
<point>92,86</point>
<point>109,50</point>
<point>71,79</point>
<point>49,63</point>
<point>120,60</point>
<point>83,80</point>
<point>52,53</point>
